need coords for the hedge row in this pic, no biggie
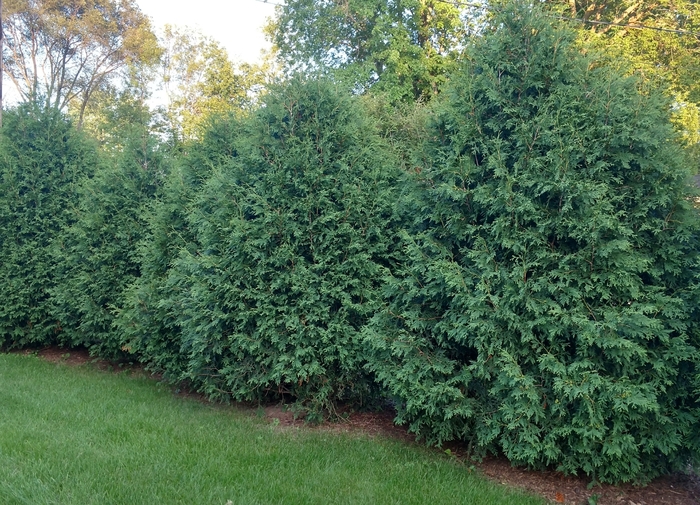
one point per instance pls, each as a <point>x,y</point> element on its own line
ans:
<point>523,276</point>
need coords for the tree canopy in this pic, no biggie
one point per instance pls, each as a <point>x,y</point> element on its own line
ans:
<point>660,41</point>
<point>201,81</point>
<point>402,47</point>
<point>62,51</point>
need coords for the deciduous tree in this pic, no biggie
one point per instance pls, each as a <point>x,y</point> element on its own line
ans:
<point>201,81</point>
<point>62,51</point>
<point>402,47</point>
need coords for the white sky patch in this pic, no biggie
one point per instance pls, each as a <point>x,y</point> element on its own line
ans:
<point>236,24</point>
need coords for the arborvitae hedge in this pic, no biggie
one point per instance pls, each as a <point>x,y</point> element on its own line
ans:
<point>533,289</point>
<point>100,255</point>
<point>151,330</point>
<point>294,238</point>
<point>42,160</point>
<point>550,310</point>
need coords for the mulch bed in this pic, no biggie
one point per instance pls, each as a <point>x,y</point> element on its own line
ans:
<point>677,489</point>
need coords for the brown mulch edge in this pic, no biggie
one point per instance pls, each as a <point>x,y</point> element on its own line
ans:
<point>677,489</point>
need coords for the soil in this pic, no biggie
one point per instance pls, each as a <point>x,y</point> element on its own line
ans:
<point>677,489</point>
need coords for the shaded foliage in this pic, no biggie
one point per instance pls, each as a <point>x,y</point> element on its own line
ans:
<point>99,251</point>
<point>293,243</point>
<point>664,51</point>
<point>550,307</point>
<point>42,161</point>
<point>151,329</point>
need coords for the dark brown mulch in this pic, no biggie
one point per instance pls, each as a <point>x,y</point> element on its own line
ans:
<point>76,357</point>
<point>678,489</point>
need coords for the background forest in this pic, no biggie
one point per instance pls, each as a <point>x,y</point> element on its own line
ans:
<point>479,215</point>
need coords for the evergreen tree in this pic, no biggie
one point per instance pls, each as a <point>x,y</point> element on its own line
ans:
<point>657,40</point>
<point>100,255</point>
<point>150,329</point>
<point>294,242</point>
<point>550,307</point>
<point>42,161</point>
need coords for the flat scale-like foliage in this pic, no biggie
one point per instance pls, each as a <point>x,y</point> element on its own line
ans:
<point>550,307</point>
<point>294,238</point>
<point>100,253</point>
<point>42,161</point>
<point>148,326</point>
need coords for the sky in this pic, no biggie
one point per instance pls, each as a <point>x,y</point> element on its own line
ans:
<point>236,24</point>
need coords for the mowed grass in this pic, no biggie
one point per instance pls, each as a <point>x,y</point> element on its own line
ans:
<point>80,436</point>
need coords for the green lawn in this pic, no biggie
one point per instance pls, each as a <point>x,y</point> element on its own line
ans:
<point>75,435</point>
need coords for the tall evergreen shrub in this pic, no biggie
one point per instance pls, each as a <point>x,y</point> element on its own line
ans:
<point>149,328</point>
<point>42,160</point>
<point>550,309</point>
<point>100,250</point>
<point>294,242</point>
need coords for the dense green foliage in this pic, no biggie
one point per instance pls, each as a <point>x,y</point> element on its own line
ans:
<point>515,264</point>
<point>42,161</point>
<point>99,251</point>
<point>550,308</point>
<point>294,239</point>
<point>665,51</point>
<point>401,48</point>
<point>150,328</point>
